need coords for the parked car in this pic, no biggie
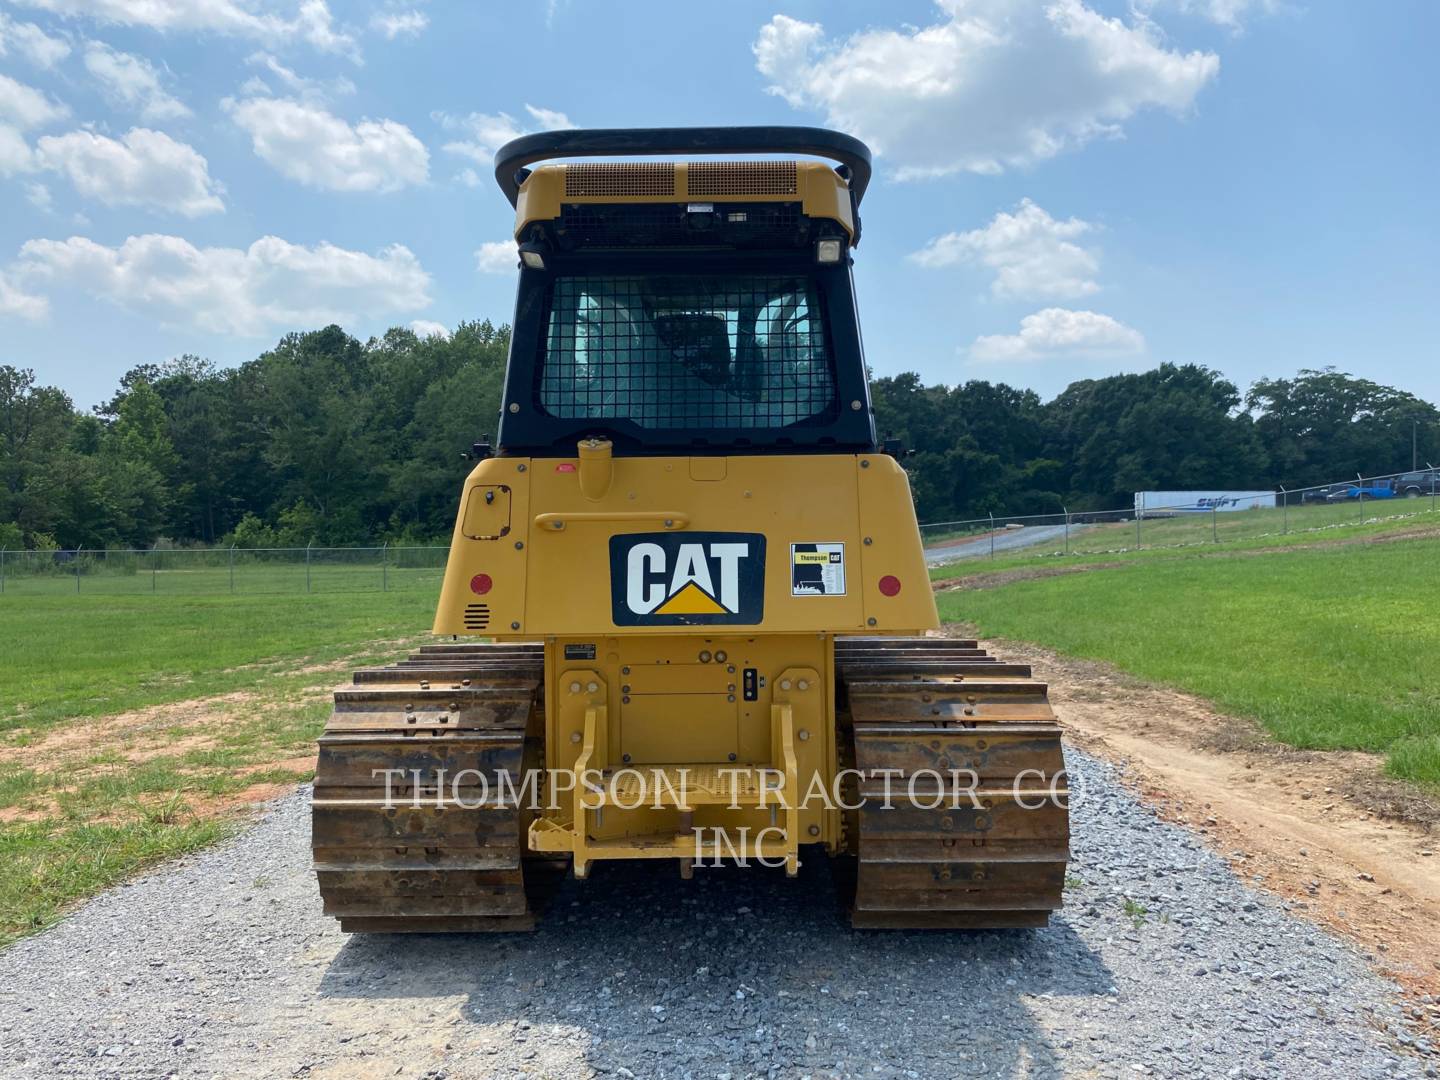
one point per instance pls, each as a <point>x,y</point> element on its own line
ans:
<point>1412,485</point>
<point>1350,492</point>
<point>1322,494</point>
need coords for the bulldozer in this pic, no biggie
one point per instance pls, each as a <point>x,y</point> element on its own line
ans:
<point>686,613</point>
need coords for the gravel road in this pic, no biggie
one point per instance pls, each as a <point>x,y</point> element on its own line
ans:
<point>1009,540</point>
<point>221,966</point>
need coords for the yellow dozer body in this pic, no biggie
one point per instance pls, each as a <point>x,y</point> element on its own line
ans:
<point>686,600</point>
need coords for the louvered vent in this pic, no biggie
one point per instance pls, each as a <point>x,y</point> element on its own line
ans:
<point>477,616</point>
<point>620,178</point>
<point>742,178</point>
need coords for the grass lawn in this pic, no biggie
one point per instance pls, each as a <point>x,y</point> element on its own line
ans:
<point>92,655</point>
<point>136,727</point>
<point>1330,648</point>
<point>1190,539</point>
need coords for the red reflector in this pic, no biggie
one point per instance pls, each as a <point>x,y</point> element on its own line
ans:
<point>889,585</point>
<point>480,584</point>
<point>565,466</point>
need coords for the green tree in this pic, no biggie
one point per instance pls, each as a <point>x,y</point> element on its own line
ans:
<point>1327,425</point>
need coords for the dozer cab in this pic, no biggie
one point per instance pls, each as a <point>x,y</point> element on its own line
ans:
<point>686,598</point>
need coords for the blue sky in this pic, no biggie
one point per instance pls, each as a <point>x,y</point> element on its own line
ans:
<point>1065,188</point>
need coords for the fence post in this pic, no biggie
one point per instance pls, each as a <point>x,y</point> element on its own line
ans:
<point>1067,530</point>
<point>2,569</point>
<point>153,559</point>
<point>385,566</point>
<point>1215,524</point>
<point>1137,530</point>
<point>232,568</point>
<point>1284,511</point>
<point>307,566</point>
<point>77,569</point>
<point>992,536</point>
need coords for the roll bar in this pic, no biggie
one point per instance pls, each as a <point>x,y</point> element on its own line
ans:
<point>512,158</point>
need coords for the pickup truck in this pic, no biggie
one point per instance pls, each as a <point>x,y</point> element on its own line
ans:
<point>1351,492</point>
<point>1412,485</point>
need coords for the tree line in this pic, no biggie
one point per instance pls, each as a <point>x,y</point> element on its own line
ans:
<point>980,448</point>
<point>328,439</point>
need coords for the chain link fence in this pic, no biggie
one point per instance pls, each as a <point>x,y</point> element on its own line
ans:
<point>1251,516</point>
<point>201,571</point>
<point>210,571</point>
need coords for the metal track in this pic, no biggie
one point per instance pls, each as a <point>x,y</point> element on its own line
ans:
<point>442,850</point>
<point>919,716</point>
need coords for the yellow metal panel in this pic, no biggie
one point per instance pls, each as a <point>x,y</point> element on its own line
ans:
<point>570,588</point>
<point>892,548</point>
<point>669,678</point>
<point>821,192</point>
<point>487,512</point>
<point>657,728</point>
<point>503,561</point>
<point>564,583</point>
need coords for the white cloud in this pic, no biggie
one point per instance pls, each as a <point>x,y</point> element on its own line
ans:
<point>142,168</point>
<point>394,23</point>
<point>469,177</point>
<point>306,142</point>
<point>24,107</point>
<point>132,82</point>
<point>497,257</point>
<point>317,26</point>
<point>271,285</point>
<point>1060,332</point>
<point>311,21</point>
<point>1230,14</point>
<point>15,301</point>
<point>38,196</point>
<point>15,153</point>
<point>308,89</point>
<point>425,328</point>
<point>486,132</point>
<point>1033,255</point>
<point>31,42</point>
<point>994,84</point>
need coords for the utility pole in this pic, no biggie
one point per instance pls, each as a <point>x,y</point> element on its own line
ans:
<point>1414,443</point>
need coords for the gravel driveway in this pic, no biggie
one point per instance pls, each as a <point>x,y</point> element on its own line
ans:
<point>1009,540</point>
<point>222,966</point>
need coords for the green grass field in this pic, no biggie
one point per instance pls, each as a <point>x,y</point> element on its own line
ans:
<point>216,573</point>
<point>134,727</point>
<point>1186,539</point>
<point>1180,529</point>
<point>93,655</point>
<point>1331,648</point>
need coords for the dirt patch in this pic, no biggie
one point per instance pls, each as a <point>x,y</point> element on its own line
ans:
<point>136,736</point>
<point>996,578</point>
<point>1351,848</point>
